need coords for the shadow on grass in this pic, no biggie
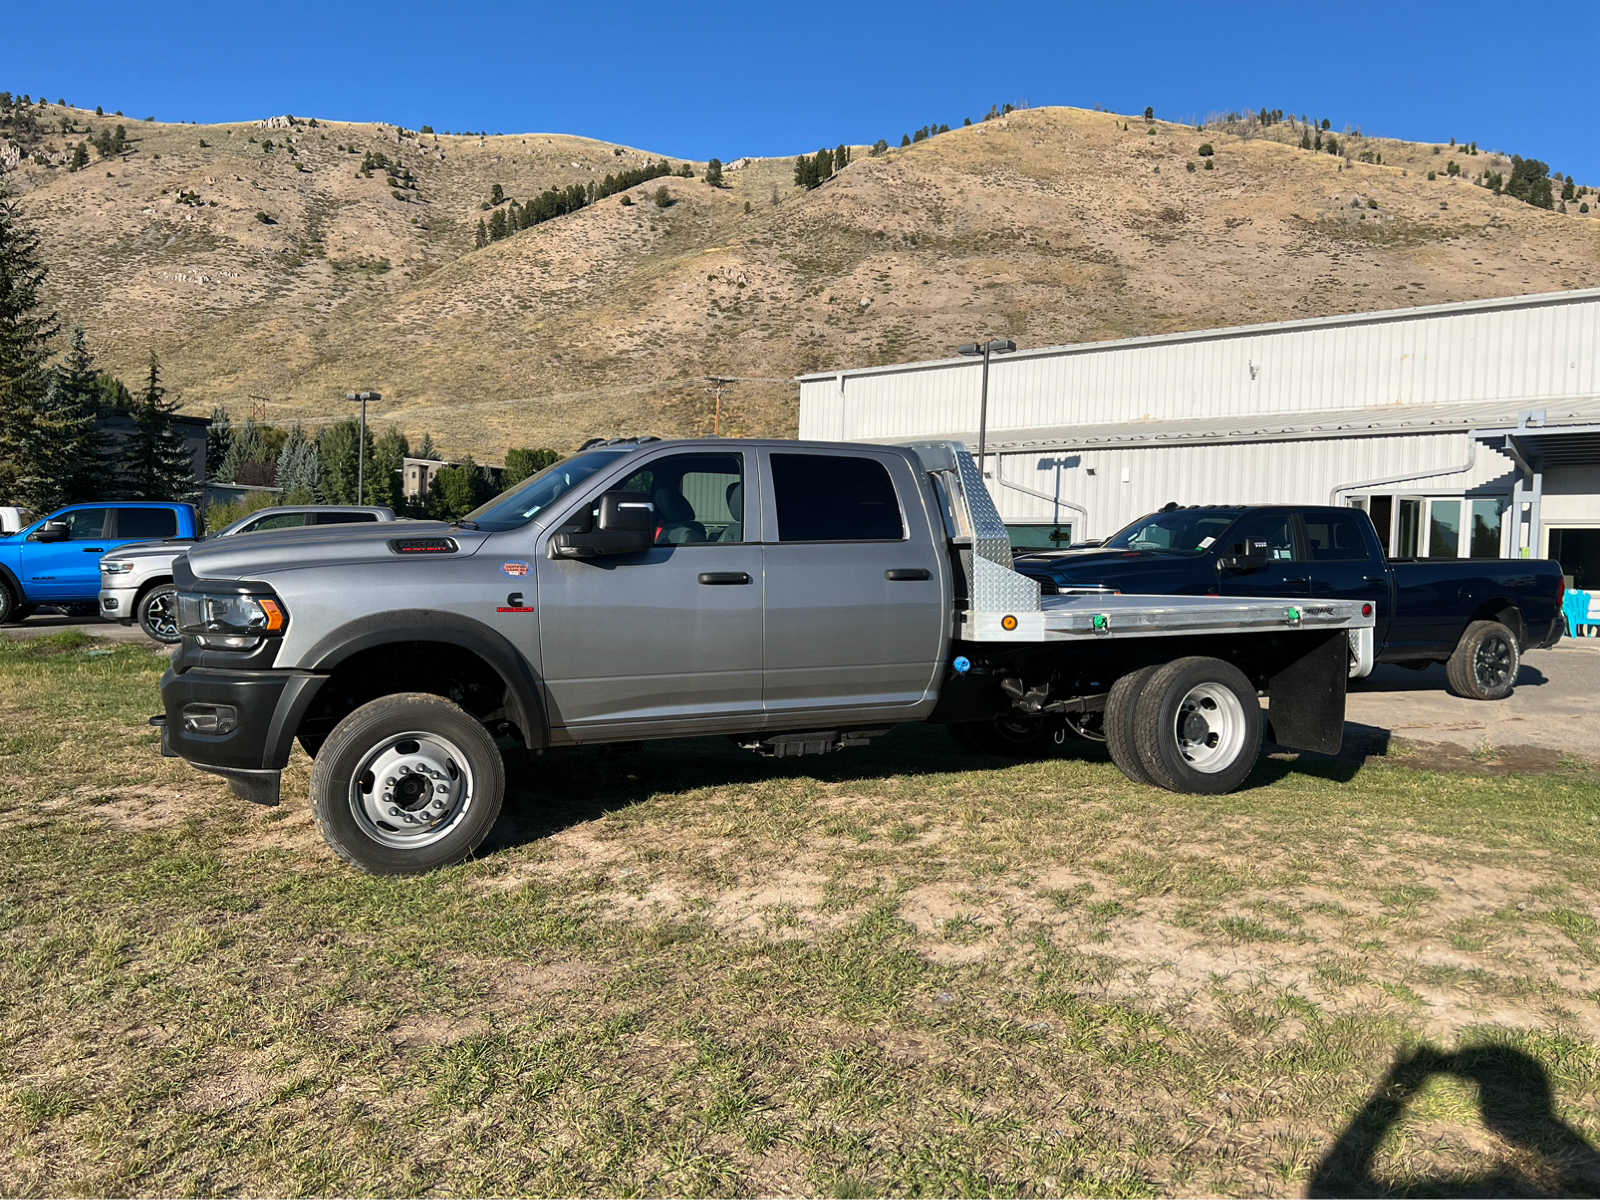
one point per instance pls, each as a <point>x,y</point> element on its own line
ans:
<point>1515,1102</point>
<point>571,786</point>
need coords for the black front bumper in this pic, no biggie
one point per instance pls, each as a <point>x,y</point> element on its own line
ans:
<point>267,707</point>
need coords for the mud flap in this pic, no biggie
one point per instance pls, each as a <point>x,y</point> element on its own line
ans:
<point>1307,695</point>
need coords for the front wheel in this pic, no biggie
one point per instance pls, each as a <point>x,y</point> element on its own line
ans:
<point>407,783</point>
<point>158,614</point>
<point>1485,662</point>
<point>10,607</point>
<point>1197,726</point>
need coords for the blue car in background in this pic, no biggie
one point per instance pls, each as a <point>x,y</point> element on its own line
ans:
<point>56,560</point>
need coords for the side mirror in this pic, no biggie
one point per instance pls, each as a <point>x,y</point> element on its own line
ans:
<point>1245,557</point>
<point>52,531</point>
<point>626,524</point>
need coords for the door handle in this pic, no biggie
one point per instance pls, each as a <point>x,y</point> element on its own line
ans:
<point>94,550</point>
<point>715,578</point>
<point>900,574</point>
<point>1374,579</point>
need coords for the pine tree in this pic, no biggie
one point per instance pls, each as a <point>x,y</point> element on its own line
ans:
<point>427,448</point>
<point>80,157</point>
<point>246,445</point>
<point>481,238</point>
<point>67,430</point>
<point>389,453</point>
<point>158,463</point>
<point>219,440</point>
<point>299,468</point>
<point>338,448</point>
<point>497,225</point>
<point>26,330</point>
<point>714,172</point>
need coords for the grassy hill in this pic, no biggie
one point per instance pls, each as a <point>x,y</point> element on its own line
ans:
<point>287,273</point>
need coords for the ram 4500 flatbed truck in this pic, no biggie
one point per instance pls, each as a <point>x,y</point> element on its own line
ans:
<point>799,597</point>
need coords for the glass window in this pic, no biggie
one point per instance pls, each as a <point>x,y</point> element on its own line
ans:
<point>834,498</point>
<point>698,498</point>
<point>345,518</point>
<point>515,508</point>
<point>1182,531</point>
<point>1408,528</point>
<point>1487,518</point>
<point>278,521</point>
<point>1336,537</point>
<point>1026,537</point>
<point>85,524</point>
<point>1444,528</point>
<point>1269,535</point>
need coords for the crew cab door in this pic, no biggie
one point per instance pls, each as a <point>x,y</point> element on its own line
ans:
<point>70,569</point>
<point>857,586</point>
<point>1279,568</point>
<point>1347,562</point>
<point>665,641</point>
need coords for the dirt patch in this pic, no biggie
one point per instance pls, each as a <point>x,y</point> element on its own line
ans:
<point>1487,760</point>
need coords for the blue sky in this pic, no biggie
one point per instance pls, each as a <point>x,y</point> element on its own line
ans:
<point>695,80</point>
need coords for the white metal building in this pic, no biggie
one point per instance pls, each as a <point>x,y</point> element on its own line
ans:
<point>1468,429</point>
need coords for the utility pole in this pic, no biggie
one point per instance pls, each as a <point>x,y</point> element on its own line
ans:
<point>361,446</point>
<point>719,385</point>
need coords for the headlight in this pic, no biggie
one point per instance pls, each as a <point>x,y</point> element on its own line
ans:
<point>229,622</point>
<point>115,568</point>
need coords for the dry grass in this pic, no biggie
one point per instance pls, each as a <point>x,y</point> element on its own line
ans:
<point>686,970</point>
<point>1051,225</point>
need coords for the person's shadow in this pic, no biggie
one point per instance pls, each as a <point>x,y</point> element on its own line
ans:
<point>1516,1103</point>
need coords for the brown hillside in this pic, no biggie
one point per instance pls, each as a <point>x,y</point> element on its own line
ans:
<point>1050,225</point>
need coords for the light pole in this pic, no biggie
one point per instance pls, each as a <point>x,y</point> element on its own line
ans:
<point>986,349</point>
<point>361,446</point>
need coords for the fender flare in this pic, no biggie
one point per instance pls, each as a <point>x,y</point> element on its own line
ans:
<point>7,579</point>
<point>524,705</point>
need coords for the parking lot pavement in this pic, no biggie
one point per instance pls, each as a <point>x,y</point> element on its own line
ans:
<point>1555,706</point>
<point>45,623</point>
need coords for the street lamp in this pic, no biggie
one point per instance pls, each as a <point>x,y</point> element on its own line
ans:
<point>361,446</point>
<point>986,349</point>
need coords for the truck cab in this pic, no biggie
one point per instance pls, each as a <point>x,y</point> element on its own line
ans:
<point>56,560</point>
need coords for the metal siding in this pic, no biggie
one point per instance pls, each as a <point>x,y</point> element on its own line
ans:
<point>1539,352</point>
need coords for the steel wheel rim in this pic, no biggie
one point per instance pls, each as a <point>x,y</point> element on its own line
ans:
<point>1492,662</point>
<point>411,790</point>
<point>1209,727</point>
<point>159,617</point>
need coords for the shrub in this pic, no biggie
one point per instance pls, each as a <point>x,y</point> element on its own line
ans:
<point>1211,164</point>
<point>1205,150</point>
<point>1584,207</point>
<point>713,174</point>
<point>1452,168</point>
<point>663,198</point>
<point>265,219</point>
<point>1189,166</point>
<point>1371,203</point>
<point>1433,174</point>
<point>1149,112</point>
<point>627,201</point>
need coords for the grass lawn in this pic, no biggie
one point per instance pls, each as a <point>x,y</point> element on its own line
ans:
<point>686,970</point>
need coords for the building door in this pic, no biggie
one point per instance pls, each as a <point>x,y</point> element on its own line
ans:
<point>1578,552</point>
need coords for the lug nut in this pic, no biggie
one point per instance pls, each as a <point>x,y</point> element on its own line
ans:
<point>394,812</point>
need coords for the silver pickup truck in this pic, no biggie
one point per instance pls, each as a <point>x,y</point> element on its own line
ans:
<point>799,597</point>
<point>136,580</point>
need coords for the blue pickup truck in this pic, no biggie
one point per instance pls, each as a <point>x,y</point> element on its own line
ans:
<point>56,560</point>
<point>1474,615</point>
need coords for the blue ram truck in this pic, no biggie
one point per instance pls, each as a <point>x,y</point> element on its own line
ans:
<point>56,561</point>
<point>1474,615</point>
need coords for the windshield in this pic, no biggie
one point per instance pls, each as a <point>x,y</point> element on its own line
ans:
<point>1189,531</point>
<point>515,508</point>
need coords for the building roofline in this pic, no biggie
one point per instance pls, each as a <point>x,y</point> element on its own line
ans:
<point>1378,317</point>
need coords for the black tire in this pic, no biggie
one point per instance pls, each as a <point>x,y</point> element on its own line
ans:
<point>451,752</point>
<point>1121,706</point>
<point>1007,736</point>
<point>157,614</point>
<point>10,608</point>
<point>1213,756</point>
<point>1485,662</point>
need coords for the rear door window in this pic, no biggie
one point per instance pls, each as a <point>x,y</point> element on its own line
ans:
<point>835,498</point>
<point>146,523</point>
<point>345,518</point>
<point>1336,537</point>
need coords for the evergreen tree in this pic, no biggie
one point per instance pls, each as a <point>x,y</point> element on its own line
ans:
<point>905,140</point>
<point>158,463</point>
<point>26,330</point>
<point>481,239</point>
<point>1530,182</point>
<point>389,453</point>
<point>497,225</point>
<point>841,157</point>
<point>219,440</point>
<point>339,447</point>
<point>299,468</point>
<point>714,173</point>
<point>80,157</point>
<point>427,448</point>
<point>456,491</point>
<point>246,447</point>
<point>88,472</point>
